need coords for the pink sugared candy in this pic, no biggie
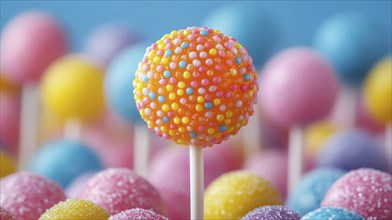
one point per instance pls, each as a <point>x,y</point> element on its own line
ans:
<point>29,43</point>
<point>367,192</point>
<point>137,214</point>
<point>28,195</point>
<point>5,215</point>
<point>119,189</point>
<point>299,86</point>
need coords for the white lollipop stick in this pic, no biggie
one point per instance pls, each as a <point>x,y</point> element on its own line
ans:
<point>29,121</point>
<point>295,157</point>
<point>141,150</point>
<point>73,130</point>
<point>388,142</point>
<point>345,109</point>
<point>197,181</point>
<point>251,135</point>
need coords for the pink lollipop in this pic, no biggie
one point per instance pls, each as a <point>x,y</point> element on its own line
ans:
<point>366,192</point>
<point>137,214</point>
<point>299,87</point>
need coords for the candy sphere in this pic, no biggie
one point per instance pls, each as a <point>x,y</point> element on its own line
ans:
<point>169,173</point>
<point>117,82</point>
<point>272,212</point>
<point>238,20</point>
<point>63,160</point>
<point>332,213</point>
<point>352,43</point>
<point>310,191</point>
<point>29,44</point>
<point>317,134</point>
<point>5,215</point>
<point>72,88</point>
<point>353,149</point>
<point>76,210</point>
<point>196,86</point>
<point>104,43</point>
<point>229,154</point>
<point>137,213</point>
<point>28,195</point>
<point>236,193</point>
<point>378,89</point>
<point>119,189</point>
<point>366,192</point>
<point>299,87</point>
<point>261,163</point>
<point>10,122</point>
<point>7,165</point>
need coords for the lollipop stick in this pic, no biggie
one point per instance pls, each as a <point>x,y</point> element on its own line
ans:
<point>73,130</point>
<point>388,142</point>
<point>29,120</point>
<point>251,135</point>
<point>197,181</point>
<point>142,150</point>
<point>295,156</point>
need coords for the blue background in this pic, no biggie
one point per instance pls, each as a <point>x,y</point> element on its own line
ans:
<point>297,20</point>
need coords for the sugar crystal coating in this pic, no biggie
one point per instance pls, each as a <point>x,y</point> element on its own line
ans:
<point>196,86</point>
<point>5,215</point>
<point>137,214</point>
<point>332,213</point>
<point>75,210</point>
<point>272,212</point>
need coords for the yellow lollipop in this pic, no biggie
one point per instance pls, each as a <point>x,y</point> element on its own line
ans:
<point>72,88</point>
<point>7,165</point>
<point>316,134</point>
<point>234,194</point>
<point>378,91</point>
<point>75,209</point>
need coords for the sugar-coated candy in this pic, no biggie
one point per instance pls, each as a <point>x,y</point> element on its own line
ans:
<point>236,193</point>
<point>196,86</point>
<point>332,213</point>
<point>119,189</point>
<point>5,215</point>
<point>28,195</point>
<point>272,212</point>
<point>367,192</point>
<point>137,214</point>
<point>75,210</point>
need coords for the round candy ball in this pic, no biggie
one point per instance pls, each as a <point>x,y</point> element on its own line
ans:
<point>104,43</point>
<point>332,213</point>
<point>310,191</point>
<point>117,89</point>
<point>119,189</point>
<point>10,122</point>
<point>77,210</point>
<point>352,43</point>
<point>28,195</point>
<point>352,150</point>
<point>196,86</point>
<point>238,20</point>
<point>367,192</point>
<point>5,215</point>
<point>299,87</point>
<point>7,164</point>
<point>72,88</point>
<point>236,193</point>
<point>272,212</point>
<point>137,213</point>
<point>378,87</point>
<point>29,44</point>
<point>64,160</point>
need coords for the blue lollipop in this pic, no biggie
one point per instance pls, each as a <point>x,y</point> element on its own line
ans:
<point>64,160</point>
<point>309,193</point>
<point>332,213</point>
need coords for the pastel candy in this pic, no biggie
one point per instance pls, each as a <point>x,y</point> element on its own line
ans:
<point>137,213</point>
<point>272,212</point>
<point>332,213</point>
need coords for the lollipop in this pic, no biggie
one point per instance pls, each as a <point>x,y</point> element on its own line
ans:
<point>196,87</point>
<point>236,193</point>
<point>63,160</point>
<point>7,165</point>
<point>299,88</point>
<point>75,209</point>
<point>332,213</point>
<point>5,215</point>
<point>366,192</point>
<point>120,189</point>
<point>27,195</point>
<point>137,213</point>
<point>272,212</point>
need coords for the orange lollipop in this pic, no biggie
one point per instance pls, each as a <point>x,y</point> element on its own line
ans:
<point>196,86</point>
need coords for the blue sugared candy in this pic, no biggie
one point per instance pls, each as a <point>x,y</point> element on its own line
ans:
<point>272,212</point>
<point>332,213</point>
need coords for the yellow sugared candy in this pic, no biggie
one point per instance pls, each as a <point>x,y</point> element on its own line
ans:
<point>7,165</point>
<point>317,134</point>
<point>234,194</point>
<point>196,86</point>
<point>72,88</point>
<point>378,91</point>
<point>74,210</point>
